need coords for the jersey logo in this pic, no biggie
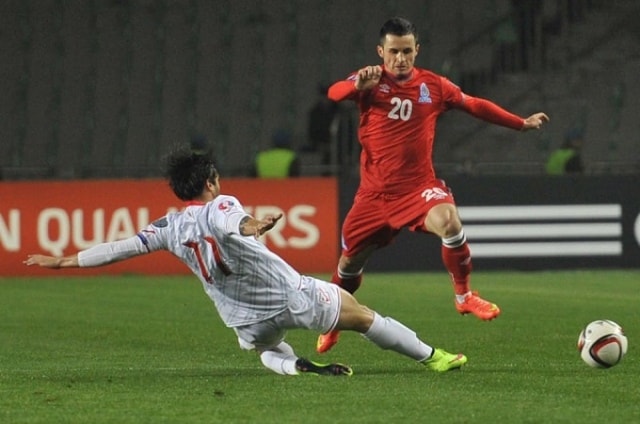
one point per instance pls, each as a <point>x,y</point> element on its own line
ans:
<point>425,95</point>
<point>225,205</point>
<point>384,88</point>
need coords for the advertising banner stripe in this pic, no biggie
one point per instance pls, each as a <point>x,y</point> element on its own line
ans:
<point>543,231</point>
<point>538,213</point>
<point>551,249</point>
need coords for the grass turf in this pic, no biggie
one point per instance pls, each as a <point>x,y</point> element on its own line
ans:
<point>136,349</point>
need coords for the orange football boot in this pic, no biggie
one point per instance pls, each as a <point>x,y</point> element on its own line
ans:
<point>327,341</point>
<point>474,304</point>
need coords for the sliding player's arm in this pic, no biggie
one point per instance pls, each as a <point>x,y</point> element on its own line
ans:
<point>98,255</point>
<point>250,226</point>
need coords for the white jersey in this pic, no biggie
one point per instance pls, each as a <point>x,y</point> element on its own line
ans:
<point>247,282</point>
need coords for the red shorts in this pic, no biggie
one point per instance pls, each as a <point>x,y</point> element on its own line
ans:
<point>377,218</point>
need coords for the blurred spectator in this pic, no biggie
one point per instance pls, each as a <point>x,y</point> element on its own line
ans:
<point>568,158</point>
<point>527,13</point>
<point>505,41</point>
<point>279,161</point>
<point>323,119</point>
<point>199,144</point>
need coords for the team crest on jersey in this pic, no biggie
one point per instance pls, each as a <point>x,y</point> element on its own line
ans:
<point>323,297</point>
<point>225,205</point>
<point>425,95</point>
<point>384,88</point>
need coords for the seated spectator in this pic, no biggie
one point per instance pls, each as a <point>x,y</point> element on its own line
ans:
<point>200,144</point>
<point>322,120</point>
<point>279,161</point>
<point>568,158</point>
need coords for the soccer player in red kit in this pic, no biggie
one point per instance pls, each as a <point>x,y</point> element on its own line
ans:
<point>399,105</point>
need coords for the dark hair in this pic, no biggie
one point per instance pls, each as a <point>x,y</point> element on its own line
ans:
<point>188,172</point>
<point>398,26</point>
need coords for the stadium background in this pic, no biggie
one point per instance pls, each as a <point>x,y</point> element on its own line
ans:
<point>99,89</point>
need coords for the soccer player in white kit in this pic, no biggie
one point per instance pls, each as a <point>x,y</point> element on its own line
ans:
<point>256,293</point>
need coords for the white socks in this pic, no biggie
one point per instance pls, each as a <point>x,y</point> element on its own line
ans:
<point>281,359</point>
<point>343,274</point>
<point>461,297</point>
<point>388,333</point>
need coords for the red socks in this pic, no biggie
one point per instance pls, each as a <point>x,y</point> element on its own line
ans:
<point>349,282</point>
<point>456,257</point>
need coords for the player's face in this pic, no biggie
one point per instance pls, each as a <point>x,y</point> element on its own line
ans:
<point>398,53</point>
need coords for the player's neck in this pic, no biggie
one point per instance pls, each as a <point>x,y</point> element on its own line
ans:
<point>402,79</point>
<point>206,197</point>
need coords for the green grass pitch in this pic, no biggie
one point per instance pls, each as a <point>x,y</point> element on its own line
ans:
<point>136,349</point>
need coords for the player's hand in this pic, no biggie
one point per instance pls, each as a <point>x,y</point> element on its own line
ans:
<point>267,223</point>
<point>43,261</point>
<point>368,77</point>
<point>535,121</point>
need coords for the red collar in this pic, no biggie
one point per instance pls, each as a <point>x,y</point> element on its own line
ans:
<point>195,203</point>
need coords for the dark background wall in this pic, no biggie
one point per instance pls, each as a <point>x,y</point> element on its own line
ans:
<point>101,88</point>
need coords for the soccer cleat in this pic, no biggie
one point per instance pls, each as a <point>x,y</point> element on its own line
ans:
<point>442,361</point>
<point>474,304</point>
<point>305,366</point>
<point>327,341</point>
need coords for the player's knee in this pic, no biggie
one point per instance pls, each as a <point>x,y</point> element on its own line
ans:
<point>452,227</point>
<point>443,221</point>
<point>363,320</point>
<point>354,316</point>
<point>450,224</point>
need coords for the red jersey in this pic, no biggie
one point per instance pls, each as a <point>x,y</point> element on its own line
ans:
<point>398,123</point>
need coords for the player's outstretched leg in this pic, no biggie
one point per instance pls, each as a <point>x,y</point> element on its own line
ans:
<point>474,304</point>
<point>388,333</point>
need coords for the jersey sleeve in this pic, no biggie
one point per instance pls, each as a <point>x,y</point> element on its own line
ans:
<point>478,107</point>
<point>343,90</point>
<point>491,112</point>
<point>115,251</point>
<point>228,213</point>
<point>452,95</point>
<point>150,239</point>
<point>154,236</point>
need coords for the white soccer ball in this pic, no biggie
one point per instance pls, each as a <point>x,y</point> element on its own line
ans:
<point>602,344</point>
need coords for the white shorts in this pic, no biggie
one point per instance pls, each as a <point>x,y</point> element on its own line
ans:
<point>315,305</point>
